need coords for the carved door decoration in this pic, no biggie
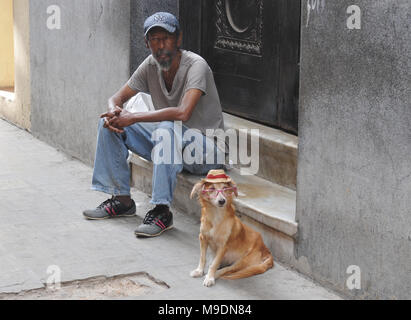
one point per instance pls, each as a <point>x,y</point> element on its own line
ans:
<point>239,25</point>
<point>252,46</point>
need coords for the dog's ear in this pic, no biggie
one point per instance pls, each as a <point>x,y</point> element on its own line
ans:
<point>196,188</point>
<point>233,185</point>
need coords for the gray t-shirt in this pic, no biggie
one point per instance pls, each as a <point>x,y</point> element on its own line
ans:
<point>193,73</point>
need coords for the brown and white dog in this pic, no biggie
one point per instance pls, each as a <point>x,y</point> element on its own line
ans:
<point>238,249</point>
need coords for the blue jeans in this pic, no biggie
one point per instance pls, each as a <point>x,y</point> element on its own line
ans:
<point>111,169</point>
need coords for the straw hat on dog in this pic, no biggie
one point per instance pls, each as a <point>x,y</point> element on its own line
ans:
<point>216,176</point>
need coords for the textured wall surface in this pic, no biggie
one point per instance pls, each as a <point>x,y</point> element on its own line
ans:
<point>140,10</point>
<point>354,174</point>
<point>76,68</point>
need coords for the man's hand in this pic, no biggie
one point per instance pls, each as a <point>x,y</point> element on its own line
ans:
<point>108,116</point>
<point>122,119</point>
<point>121,96</point>
<point>117,119</point>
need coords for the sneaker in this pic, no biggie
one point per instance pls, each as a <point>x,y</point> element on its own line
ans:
<point>111,208</point>
<point>156,221</point>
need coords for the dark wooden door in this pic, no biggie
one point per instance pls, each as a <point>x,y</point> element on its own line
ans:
<point>252,46</point>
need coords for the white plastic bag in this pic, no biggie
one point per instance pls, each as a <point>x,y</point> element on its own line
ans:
<point>141,102</point>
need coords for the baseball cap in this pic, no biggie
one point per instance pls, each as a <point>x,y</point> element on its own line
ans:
<point>164,20</point>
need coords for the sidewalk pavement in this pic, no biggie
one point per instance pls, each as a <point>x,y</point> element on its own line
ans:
<point>43,193</point>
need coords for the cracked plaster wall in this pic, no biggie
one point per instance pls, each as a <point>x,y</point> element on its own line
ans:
<point>76,68</point>
<point>354,165</point>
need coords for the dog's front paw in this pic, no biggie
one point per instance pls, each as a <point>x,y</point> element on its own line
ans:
<point>209,281</point>
<point>196,273</point>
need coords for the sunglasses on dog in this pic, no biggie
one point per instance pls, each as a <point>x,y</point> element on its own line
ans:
<point>213,192</point>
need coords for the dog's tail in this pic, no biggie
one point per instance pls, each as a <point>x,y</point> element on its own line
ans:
<point>251,270</point>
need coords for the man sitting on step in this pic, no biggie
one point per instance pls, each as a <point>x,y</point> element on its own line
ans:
<point>182,88</point>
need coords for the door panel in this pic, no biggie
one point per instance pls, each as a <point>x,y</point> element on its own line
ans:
<point>252,48</point>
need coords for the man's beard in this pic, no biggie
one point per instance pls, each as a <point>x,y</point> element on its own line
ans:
<point>164,65</point>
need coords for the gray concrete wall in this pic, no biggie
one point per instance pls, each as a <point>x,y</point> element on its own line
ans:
<point>75,69</point>
<point>140,10</point>
<point>354,173</point>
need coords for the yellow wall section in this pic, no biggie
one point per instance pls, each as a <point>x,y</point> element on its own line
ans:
<point>17,109</point>
<point>6,44</point>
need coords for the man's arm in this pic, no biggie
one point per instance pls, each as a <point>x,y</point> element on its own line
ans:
<point>121,96</point>
<point>182,112</point>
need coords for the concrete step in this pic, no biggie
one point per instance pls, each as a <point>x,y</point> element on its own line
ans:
<point>267,207</point>
<point>277,149</point>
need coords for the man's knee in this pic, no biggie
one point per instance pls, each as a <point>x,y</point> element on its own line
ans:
<point>100,123</point>
<point>101,127</point>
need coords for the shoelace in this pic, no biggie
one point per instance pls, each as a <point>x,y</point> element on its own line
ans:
<point>111,202</point>
<point>110,206</point>
<point>150,216</point>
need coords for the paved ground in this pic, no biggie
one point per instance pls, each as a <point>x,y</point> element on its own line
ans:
<point>42,195</point>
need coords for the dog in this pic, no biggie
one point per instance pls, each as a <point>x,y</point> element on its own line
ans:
<point>239,251</point>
